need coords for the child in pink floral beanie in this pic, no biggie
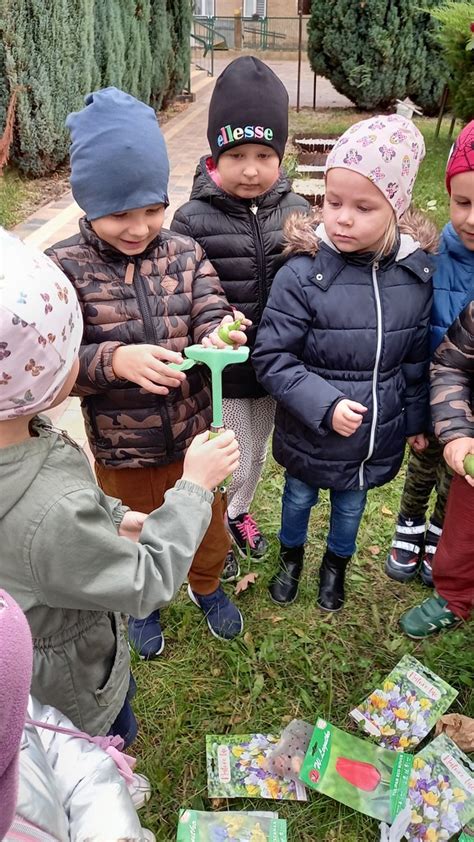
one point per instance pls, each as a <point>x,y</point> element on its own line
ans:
<point>16,655</point>
<point>343,346</point>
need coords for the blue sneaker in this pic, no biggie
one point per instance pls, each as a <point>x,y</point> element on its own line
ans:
<point>146,636</point>
<point>223,618</point>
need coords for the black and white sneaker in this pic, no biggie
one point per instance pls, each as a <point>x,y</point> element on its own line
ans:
<point>231,571</point>
<point>246,536</point>
<point>433,534</point>
<point>404,557</point>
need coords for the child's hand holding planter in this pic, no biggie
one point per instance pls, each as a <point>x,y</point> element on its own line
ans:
<point>231,331</point>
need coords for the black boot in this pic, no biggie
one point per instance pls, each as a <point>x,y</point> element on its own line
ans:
<point>283,585</point>
<point>331,581</point>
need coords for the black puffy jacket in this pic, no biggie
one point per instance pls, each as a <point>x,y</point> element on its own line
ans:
<point>339,326</point>
<point>243,239</point>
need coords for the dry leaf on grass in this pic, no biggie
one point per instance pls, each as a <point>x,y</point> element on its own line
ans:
<point>374,550</point>
<point>386,511</point>
<point>217,803</point>
<point>245,581</point>
<point>460,728</point>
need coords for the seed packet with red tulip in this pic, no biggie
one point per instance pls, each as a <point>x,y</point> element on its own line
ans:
<point>440,791</point>
<point>352,770</point>
<point>230,826</point>
<point>401,712</point>
<point>237,766</point>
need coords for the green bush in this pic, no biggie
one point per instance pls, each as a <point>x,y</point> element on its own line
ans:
<point>59,50</point>
<point>377,51</point>
<point>456,39</point>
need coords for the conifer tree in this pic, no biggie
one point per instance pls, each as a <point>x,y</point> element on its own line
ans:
<point>180,17</point>
<point>49,55</point>
<point>161,52</point>
<point>376,51</point>
<point>135,23</point>
<point>109,44</point>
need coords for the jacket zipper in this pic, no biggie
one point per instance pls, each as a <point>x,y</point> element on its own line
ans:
<point>152,339</point>
<point>260,252</point>
<point>64,435</point>
<point>375,374</point>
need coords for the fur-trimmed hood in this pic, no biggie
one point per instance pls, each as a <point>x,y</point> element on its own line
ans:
<point>301,238</point>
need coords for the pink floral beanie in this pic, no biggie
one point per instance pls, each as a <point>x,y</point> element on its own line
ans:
<point>40,329</point>
<point>386,149</point>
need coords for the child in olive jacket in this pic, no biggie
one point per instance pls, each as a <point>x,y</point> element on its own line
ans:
<point>75,559</point>
<point>238,204</point>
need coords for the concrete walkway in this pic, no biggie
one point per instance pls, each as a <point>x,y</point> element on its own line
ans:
<point>186,140</point>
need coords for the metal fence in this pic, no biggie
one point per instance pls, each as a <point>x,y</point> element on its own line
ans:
<point>253,34</point>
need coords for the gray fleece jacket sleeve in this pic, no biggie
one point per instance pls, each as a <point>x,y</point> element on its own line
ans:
<point>88,566</point>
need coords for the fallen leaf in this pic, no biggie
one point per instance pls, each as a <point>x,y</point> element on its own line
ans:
<point>217,803</point>
<point>374,550</point>
<point>276,618</point>
<point>243,583</point>
<point>386,511</point>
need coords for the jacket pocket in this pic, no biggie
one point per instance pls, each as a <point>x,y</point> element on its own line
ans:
<point>119,675</point>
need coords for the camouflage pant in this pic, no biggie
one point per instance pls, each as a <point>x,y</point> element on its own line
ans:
<point>426,471</point>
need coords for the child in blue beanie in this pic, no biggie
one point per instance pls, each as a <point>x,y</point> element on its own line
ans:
<point>413,545</point>
<point>146,294</point>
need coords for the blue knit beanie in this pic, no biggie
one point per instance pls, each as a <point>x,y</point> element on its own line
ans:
<point>118,155</point>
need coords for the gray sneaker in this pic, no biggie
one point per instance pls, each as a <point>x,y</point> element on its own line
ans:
<point>231,571</point>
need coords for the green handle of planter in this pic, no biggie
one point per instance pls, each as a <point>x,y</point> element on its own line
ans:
<point>213,432</point>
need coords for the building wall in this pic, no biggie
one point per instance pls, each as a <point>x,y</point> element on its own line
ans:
<point>275,8</point>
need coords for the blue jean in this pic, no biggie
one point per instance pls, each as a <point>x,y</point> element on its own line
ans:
<point>125,725</point>
<point>347,508</point>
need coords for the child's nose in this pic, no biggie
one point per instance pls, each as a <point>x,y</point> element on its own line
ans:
<point>250,171</point>
<point>470,216</point>
<point>344,216</point>
<point>138,228</point>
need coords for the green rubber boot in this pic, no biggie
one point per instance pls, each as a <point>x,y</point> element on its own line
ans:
<point>428,618</point>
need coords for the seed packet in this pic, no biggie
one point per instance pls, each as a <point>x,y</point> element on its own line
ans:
<point>441,791</point>
<point>237,767</point>
<point>407,706</point>
<point>352,770</point>
<point>230,826</point>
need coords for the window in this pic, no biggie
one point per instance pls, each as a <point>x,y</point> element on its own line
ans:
<point>254,7</point>
<point>204,8</point>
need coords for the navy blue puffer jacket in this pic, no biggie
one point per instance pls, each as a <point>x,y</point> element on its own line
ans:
<point>341,327</point>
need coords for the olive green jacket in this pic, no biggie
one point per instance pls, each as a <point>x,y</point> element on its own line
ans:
<point>63,561</point>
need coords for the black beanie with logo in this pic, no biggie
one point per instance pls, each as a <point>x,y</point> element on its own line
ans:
<point>249,104</point>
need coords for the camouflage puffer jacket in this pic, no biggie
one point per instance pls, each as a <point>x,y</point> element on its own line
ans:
<point>171,296</point>
<point>452,380</point>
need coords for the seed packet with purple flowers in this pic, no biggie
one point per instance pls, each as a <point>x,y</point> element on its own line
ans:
<point>237,767</point>
<point>407,706</point>
<point>230,826</point>
<point>440,791</point>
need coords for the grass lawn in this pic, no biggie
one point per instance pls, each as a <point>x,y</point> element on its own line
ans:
<point>293,662</point>
<point>13,192</point>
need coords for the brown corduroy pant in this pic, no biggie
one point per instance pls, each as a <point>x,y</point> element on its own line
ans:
<point>143,489</point>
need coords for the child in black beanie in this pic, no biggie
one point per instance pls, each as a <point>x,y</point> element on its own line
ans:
<point>237,207</point>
